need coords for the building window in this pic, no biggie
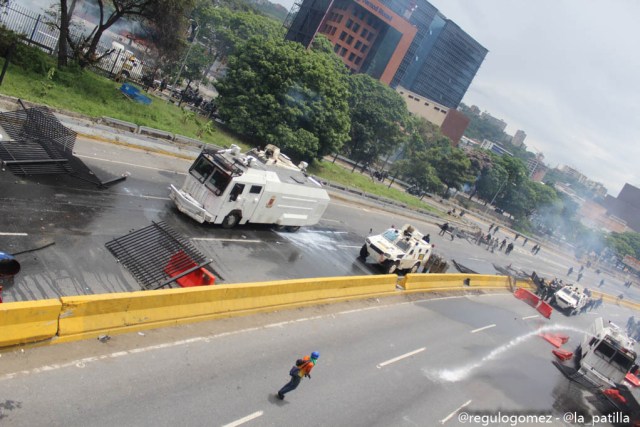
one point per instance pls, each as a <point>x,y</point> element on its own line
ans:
<point>369,21</point>
<point>364,33</point>
<point>358,60</point>
<point>349,40</point>
<point>364,48</point>
<point>352,56</point>
<point>416,99</point>
<point>356,27</point>
<point>436,108</point>
<point>337,47</point>
<point>343,35</point>
<point>343,52</point>
<point>333,30</point>
<point>401,93</point>
<point>426,103</point>
<point>349,23</point>
<point>370,36</point>
<point>357,45</point>
<point>339,19</point>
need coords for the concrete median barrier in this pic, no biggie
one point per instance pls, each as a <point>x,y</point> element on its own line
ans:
<point>92,315</point>
<point>443,282</point>
<point>30,321</point>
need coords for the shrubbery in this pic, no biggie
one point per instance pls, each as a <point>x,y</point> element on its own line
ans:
<point>29,58</point>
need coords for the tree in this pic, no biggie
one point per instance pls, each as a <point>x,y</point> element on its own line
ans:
<point>378,115</point>
<point>452,166</point>
<point>278,92</point>
<point>85,47</point>
<point>417,171</point>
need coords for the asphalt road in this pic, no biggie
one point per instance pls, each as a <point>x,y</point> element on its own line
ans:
<point>411,363</point>
<point>80,219</point>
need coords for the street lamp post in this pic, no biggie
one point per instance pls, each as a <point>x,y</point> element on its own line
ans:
<point>184,60</point>
<point>496,195</point>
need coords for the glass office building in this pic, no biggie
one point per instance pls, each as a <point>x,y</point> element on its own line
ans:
<point>406,43</point>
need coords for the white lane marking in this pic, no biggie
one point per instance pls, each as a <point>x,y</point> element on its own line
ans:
<point>214,239</point>
<point>531,317</point>
<point>448,417</point>
<point>208,338</point>
<point>130,164</point>
<point>156,197</point>
<point>330,220</point>
<point>245,419</point>
<point>348,246</point>
<point>404,356</point>
<point>13,234</point>
<point>493,325</point>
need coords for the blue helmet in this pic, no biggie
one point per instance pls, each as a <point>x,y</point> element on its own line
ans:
<point>315,355</point>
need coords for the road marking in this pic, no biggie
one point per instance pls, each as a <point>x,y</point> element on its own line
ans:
<point>331,220</point>
<point>13,234</point>
<point>448,417</point>
<point>130,164</point>
<point>531,317</point>
<point>493,325</point>
<point>404,356</point>
<point>245,419</point>
<point>156,197</point>
<point>348,246</point>
<point>215,239</point>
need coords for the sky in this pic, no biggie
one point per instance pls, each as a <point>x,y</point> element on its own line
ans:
<point>567,72</point>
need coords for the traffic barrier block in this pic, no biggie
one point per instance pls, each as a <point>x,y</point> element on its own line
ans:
<point>562,354</point>
<point>28,321</point>
<point>552,339</point>
<point>91,315</point>
<point>437,281</point>
<point>545,309</point>
<point>144,130</point>
<point>117,123</point>
<point>527,296</point>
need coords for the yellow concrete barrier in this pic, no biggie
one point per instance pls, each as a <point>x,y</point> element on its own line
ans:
<point>29,321</point>
<point>442,282</point>
<point>91,315</point>
<point>614,300</point>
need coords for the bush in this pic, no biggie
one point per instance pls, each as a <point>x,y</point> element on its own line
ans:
<point>26,57</point>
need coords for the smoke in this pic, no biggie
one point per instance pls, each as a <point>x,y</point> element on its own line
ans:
<point>463,372</point>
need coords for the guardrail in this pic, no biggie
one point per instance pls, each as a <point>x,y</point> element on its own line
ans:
<point>80,317</point>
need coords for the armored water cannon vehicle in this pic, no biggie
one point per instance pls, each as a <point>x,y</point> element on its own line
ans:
<point>261,187</point>
<point>406,249</point>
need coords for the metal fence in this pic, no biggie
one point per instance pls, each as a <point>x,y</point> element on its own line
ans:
<point>37,30</point>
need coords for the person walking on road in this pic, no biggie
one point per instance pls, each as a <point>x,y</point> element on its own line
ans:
<point>443,229</point>
<point>301,369</point>
<point>509,248</point>
<point>526,239</point>
<point>570,271</point>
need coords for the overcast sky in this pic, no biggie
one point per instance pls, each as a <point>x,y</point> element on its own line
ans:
<point>567,72</point>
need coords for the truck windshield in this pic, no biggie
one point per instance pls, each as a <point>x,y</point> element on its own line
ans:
<point>201,169</point>
<point>391,235</point>
<point>218,181</point>
<point>403,244</point>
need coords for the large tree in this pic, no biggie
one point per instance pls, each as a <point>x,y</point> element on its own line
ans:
<point>378,115</point>
<point>85,48</point>
<point>278,92</point>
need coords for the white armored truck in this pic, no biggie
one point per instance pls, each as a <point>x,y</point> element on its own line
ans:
<point>405,249</point>
<point>261,187</point>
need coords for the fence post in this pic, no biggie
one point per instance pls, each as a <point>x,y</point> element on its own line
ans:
<point>35,27</point>
<point>114,64</point>
<point>6,61</point>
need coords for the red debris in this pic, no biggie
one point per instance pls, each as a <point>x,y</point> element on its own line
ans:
<point>562,354</point>
<point>545,309</point>
<point>632,379</point>
<point>552,339</point>
<point>615,394</point>
<point>527,296</point>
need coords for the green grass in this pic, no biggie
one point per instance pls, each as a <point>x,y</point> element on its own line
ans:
<point>91,95</point>
<point>95,96</point>
<point>338,174</point>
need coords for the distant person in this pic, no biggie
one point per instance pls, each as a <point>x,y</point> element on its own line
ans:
<point>570,271</point>
<point>601,283</point>
<point>301,369</point>
<point>491,227</point>
<point>581,269</point>
<point>526,239</point>
<point>443,229</point>
<point>538,249</point>
<point>503,244</point>
<point>427,238</point>
<point>516,238</point>
<point>509,248</point>
<point>495,230</point>
<point>579,277</point>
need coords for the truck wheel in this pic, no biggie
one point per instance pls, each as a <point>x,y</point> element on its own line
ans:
<point>392,267</point>
<point>230,220</point>
<point>292,228</point>
<point>364,252</point>
<point>415,268</point>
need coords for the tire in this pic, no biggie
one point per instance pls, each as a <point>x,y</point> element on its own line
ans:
<point>364,253</point>
<point>292,228</point>
<point>391,267</point>
<point>577,356</point>
<point>231,220</point>
<point>415,268</point>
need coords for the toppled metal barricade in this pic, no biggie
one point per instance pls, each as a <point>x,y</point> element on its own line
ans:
<point>41,145</point>
<point>157,257</point>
